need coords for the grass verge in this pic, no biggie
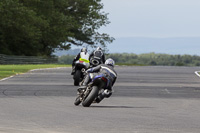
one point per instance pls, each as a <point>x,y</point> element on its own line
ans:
<point>9,70</point>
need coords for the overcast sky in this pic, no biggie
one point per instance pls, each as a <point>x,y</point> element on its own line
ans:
<point>144,26</point>
<point>152,18</point>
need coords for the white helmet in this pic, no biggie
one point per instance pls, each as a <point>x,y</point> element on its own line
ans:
<point>110,62</point>
<point>84,50</point>
<point>98,48</point>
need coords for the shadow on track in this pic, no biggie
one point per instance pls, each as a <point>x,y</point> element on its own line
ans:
<point>92,106</point>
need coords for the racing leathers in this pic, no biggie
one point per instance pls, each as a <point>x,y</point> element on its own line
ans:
<point>82,56</point>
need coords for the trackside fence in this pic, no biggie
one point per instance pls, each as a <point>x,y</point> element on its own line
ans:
<point>11,59</point>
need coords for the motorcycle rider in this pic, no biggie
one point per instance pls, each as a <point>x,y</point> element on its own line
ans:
<point>106,69</point>
<point>83,56</point>
<point>98,54</point>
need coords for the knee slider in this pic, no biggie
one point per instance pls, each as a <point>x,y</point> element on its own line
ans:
<point>107,93</point>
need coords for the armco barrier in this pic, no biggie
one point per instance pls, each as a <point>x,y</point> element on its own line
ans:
<point>12,59</point>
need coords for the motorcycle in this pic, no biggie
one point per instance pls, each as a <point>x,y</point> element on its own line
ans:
<point>80,67</point>
<point>92,91</point>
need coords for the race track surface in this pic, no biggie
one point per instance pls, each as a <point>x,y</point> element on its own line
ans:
<point>145,100</point>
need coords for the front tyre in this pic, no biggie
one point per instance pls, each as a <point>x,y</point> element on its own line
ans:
<point>90,98</point>
<point>77,77</point>
<point>77,101</point>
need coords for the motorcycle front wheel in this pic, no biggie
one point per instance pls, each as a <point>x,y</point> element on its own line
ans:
<point>77,101</point>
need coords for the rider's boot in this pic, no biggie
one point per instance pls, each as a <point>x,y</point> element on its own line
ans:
<point>99,98</point>
<point>106,93</point>
<point>84,84</point>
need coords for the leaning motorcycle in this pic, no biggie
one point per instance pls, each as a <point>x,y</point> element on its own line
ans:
<point>80,66</point>
<point>93,89</point>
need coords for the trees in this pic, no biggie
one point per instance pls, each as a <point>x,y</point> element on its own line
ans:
<point>18,28</point>
<point>38,27</point>
<point>156,59</point>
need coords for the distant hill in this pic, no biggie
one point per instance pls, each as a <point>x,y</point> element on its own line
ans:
<point>138,45</point>
<point>67,52</point>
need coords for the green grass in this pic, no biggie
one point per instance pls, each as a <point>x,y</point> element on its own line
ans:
<point>9,70</point>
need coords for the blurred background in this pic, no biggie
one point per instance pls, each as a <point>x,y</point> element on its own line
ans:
<point>137,32</point>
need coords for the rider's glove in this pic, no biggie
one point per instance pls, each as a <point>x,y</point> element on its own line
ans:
<point>89,70</point>
<point>86,71</point>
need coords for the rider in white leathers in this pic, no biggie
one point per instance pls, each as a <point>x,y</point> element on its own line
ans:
<point>83,55</point>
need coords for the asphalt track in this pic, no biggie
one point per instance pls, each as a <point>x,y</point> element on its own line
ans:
<point>145,100</point>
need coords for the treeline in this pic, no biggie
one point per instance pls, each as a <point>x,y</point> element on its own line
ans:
<point>39,27</point>
<point>152,59</point>
<point>156,59</point>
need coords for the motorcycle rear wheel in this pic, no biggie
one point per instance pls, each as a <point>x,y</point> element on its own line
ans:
<point>77,77</point>
<point>90,98</point>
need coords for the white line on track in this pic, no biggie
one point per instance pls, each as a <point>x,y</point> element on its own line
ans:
<point>197,73</point>
<point>31,71</point>
<point>167,91</point>
<point>6,78</point>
